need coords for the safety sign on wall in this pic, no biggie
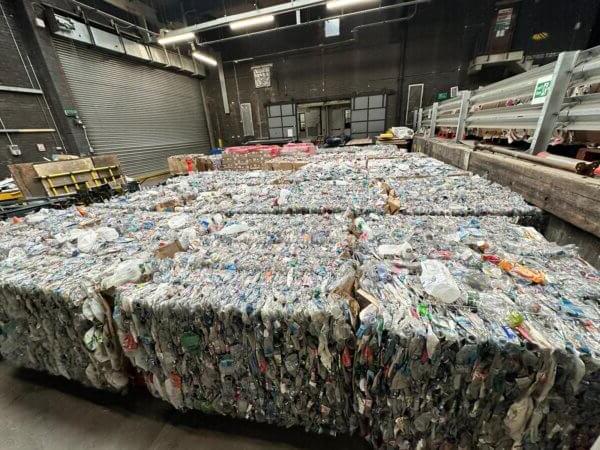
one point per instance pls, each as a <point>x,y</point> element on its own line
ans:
<point>542,87</point>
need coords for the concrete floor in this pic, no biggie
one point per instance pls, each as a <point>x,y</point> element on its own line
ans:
<point>38,411</point>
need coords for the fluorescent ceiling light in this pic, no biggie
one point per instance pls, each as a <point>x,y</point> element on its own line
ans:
<point>337,4</point>
<point>204,58</point>
<point>165,40</point>
<point>260,20</point>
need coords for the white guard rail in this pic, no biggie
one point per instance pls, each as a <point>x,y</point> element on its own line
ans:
<point>570,102</point>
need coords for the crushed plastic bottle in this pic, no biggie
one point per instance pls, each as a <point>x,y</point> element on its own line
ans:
<point>438,282</point>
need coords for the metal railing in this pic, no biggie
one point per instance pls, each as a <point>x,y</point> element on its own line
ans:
<point>512,104</point>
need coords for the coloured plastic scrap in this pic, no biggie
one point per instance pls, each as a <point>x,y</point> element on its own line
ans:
<point>455,350</point>
<point>265,336</point>
<point>52,317</point>
<point>458,196</point>
<point>410,165</point>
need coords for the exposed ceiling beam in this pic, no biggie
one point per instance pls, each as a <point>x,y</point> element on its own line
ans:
<point>135,7</point>
<point>226,20</point>
<point>323,19</point>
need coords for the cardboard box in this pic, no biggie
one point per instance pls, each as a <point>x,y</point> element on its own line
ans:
<point>168,250</point>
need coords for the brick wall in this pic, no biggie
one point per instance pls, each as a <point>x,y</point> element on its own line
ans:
<point>19,111</point>
<point>440,42</point>
<point>378,60</point>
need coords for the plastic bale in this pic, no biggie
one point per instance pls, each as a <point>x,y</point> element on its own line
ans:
<point>509,361</point>
<point>459,196</point>
<point>265,346</point>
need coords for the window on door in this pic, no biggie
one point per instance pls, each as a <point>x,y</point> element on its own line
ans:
<point>302,121</point>
<point>347,118</point>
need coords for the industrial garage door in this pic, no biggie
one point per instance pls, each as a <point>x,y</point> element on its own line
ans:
<point>143,114</point>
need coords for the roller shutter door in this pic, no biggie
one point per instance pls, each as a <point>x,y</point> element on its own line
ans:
<point>142,113</point>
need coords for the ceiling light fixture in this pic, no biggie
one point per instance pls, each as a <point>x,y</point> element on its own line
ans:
<point>337,4</point>
<point>204,58</point>
<point>165,40</point>
<point>260,20</point>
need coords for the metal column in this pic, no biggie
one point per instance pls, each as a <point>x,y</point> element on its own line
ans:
<point>434,110</point>
<point>462,117</point>
<point>223,85</point>
<point>558,89</point>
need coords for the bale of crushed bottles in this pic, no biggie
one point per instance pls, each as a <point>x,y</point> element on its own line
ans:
<point>325,197</point>
<point>249,316</point>
<point>410,165</point>
<point>475,333</point>
<point>177,193</point>
<point>53,319</point>
<point>375,149</point>
<point>256,242</point>
<point>190,163</point>
<point>264,335</point>
<point>54,314</point>
<point>457,196</point>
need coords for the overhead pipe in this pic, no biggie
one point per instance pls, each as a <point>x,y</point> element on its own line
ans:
<point>295,50</point>
<point>356,29</point>
<point>282,8</point>
<point>557,162</point>
<point>297,25</point>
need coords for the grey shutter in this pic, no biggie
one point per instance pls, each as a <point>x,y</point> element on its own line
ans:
<point>141,113</point>
<point>368,115</point>
<point>282,121</point>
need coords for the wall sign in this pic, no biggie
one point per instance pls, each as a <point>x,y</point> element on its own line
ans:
<point>332,27</point>
<point>262,75</point>
<point>542,87</point>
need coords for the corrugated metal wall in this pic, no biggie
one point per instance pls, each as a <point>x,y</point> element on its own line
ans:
<point>141,113</point>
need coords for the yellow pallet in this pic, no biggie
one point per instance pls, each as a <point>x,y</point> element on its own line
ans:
<point>10,195</point>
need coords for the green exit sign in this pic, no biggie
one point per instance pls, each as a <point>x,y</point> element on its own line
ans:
<point>71,113</point>
<point>540,92</point>
<point>442,96</point>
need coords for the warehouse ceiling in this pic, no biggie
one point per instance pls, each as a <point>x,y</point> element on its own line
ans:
<point>543,18</point>
<point>283,35</point>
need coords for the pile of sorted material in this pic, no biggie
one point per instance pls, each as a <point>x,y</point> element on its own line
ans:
<point>378,150</point>
<point>52,315</point>
<point>297,198</point>
<point>408,166</point>
<point>185,164</point>
<point>419,331</point>
<point>269,338</point>
<point>413,184</point>
<point>179,192</point>
<point>477,333</point>
<point>457,196</point>
<point>411,167</point>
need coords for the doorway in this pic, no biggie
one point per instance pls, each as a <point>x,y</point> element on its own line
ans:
<point>318,120</point>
